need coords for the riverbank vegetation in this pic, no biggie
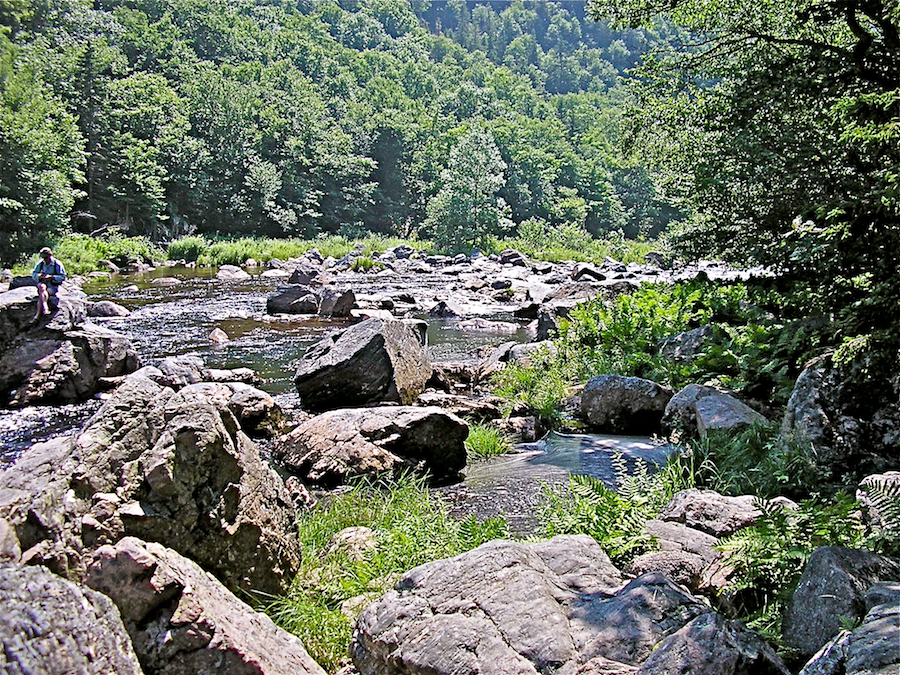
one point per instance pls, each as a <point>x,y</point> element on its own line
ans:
<point>396,525</point>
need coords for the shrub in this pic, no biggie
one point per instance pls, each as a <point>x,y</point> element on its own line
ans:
<point>486,441</point>
<point>81,253</point>
<point>411,527</point>
<point>188,248</point>
<point>768,556</point>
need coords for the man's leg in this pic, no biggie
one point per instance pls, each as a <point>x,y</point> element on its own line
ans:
<point>42,301</point>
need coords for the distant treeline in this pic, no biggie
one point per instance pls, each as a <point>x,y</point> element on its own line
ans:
<point>275,118</point>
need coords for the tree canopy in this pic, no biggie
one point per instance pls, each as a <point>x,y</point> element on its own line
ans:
<point>167,117</point>
<point>777,125</point>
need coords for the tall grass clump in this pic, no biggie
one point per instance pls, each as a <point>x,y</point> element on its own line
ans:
<point>486,441</point>
<point>541,241</point>
<point>210,252</point>
<point>81,253</point>
<point>410,526</point>
<point>756,460</point>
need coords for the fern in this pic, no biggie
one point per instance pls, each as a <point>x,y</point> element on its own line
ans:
<point>768,556</point>
<point>615,519</point>
<point>883,496</point>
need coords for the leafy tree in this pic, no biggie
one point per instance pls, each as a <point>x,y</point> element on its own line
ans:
<point>778,128</point>
<point>466,210</point>
<point>40,157</point>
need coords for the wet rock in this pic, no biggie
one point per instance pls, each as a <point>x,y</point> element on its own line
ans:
<point>683,348</point>
<point>163,466</point>
<point>218,336</point>
<point>587,271</point>
<point>833,585</point>
<point>339,444</point>
<point>712,645</point>
<point>479,325</point>
<point>49,367</point>
<point>293,300</point>
<point>54,627</point>
<point>183,622</point>
<point>505,607</point>
<point>623,405</point>
<point>231,273</point>
<point>337,302</point>
<point>106,308</point>
<point>369,362</point>
<point>305,273</point>
<point>512,257</point>
<point>444,310</point>
<point>165,281</point>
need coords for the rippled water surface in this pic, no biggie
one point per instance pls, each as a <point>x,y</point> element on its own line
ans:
<point>178,319</point>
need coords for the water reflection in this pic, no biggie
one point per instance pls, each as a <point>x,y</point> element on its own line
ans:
<point>512,485</point>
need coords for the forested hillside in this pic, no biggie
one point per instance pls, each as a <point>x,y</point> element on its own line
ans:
<point>276,118</point>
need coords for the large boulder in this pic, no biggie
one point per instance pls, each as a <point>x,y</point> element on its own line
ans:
<point>721,412</point>
<point>508,607</point>
<point>697,410</point>
<point>163,466</point>
<point>833,587</point>
<point>848,413</point>
<point>711,512</point>
<point>713,645</point>
<point>624,405</point>
<point>339,444</point>
<point>374,361</point>
<point>54,627</point>
<point>182,621</point>
<point>304,299</point>
<point>50,367</point>
<point>872,647</point>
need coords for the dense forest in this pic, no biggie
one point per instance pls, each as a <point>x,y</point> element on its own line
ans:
<point>759,134</point>
<point>274,118</point>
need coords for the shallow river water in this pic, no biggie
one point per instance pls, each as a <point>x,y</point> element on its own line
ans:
<point>177,320</point>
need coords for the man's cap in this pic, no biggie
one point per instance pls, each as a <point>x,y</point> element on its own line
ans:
<point>46,251</point>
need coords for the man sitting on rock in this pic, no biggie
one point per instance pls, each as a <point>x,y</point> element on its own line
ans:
<point>49,273</point>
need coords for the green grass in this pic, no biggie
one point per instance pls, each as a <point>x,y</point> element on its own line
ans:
<point>486,441</point>
<point>411,527</point>
<point>540,241</point>
<point>80,253</point>
<point>235,251</point>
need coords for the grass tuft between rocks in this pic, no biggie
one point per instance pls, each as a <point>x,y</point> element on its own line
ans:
<point>486,441</point>
<point>396,525</point>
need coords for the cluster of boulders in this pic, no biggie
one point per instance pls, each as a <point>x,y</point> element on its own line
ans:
<point>125,547</point>
<point>59,358</point>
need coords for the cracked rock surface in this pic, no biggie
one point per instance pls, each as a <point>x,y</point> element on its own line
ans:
<point>511,608</point>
